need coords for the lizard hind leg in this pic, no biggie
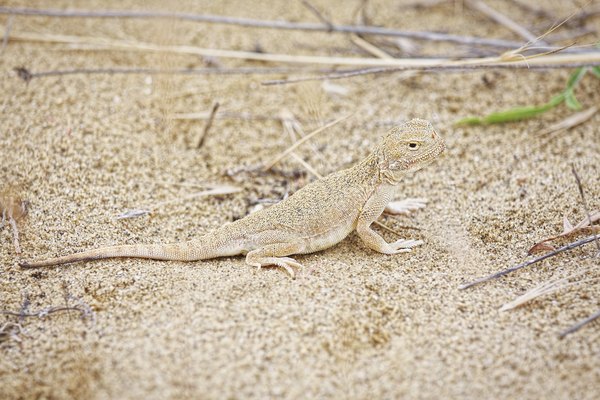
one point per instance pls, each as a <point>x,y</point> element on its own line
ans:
<point>275,254</point>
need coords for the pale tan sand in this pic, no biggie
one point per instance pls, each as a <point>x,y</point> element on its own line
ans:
<point>359,325</point>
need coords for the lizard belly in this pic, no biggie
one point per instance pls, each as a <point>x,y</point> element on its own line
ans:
<point>329,238</point>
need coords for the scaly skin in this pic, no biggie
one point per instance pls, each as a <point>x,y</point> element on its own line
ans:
<point>316,217</point>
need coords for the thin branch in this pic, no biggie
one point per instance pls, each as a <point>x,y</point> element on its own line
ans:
<point>208,124</point>
<point>43,313</point>
<point>27,75</point>
<point>530,262</point>
<point>247,22</point>
<point>318,14</point>
<point>442,67</point>
<point>579,325</point>
<point>502,19</point>
<point>304,139</point>
<point>584,202</point>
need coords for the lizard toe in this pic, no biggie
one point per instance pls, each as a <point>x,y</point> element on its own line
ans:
<point>406,244</point>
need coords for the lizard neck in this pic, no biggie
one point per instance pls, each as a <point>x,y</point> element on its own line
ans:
<point>373,170</point>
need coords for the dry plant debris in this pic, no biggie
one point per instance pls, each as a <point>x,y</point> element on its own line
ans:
<point>570,122</point>
<point>583,226</point>
<point>13,209</point>
<point>553,286</point>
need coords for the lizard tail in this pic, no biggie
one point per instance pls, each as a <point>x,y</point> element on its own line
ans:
<point>186,251</point>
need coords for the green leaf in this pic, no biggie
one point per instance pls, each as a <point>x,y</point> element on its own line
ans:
<point>572,102</point>
<point>513,114</point>
<point>575,78</point>
<point>521,113</point>
<point>596,71</point>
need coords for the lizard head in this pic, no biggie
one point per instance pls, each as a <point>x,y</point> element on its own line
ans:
<point>408,148</point>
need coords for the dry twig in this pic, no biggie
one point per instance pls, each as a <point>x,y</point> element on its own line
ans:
<point>27,75</point>
<point>247,22</point>
<point>45,312</point>
<point>445,67</point>
<point>584,202</point>
<point>569,246</point>
<point>568,230</point>
<point>318,14</point>
<point>208,124</point>
<point>580,325</point>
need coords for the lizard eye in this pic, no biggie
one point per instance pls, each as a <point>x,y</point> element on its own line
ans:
<point>413,145</point>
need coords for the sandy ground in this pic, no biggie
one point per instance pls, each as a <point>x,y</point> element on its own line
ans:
<point>357,324</point>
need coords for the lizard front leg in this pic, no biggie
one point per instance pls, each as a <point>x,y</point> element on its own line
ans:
<point>370,212</point>
<point>404,207</point>
<point>274,254</point>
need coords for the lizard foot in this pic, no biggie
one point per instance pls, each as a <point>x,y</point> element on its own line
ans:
<point>405,207</point>
<point>403,245</point>
<point>286,263</point>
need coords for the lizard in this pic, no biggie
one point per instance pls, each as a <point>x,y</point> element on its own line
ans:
<point>316,217</point>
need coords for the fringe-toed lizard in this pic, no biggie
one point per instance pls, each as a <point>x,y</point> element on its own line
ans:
<point>314,218</point>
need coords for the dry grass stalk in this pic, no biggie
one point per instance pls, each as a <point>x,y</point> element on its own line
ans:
<point>570,59</point>
<point>369,47</point>
<point>501,19</point>
<point>6,33</point>
<point>306,165</point>
<point>570,122</point>
<point>278,158</point>
<point>551,287</point>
